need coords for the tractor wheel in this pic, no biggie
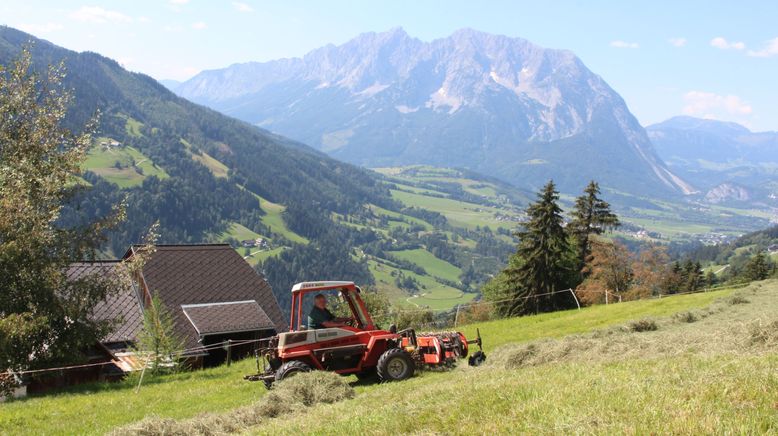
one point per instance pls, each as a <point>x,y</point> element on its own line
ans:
<point>366,375</point>
<point>477,358</point>
<point>395,365</point>
<point>293,367</point>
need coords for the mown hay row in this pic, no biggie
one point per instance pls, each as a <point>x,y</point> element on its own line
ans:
<point>287,397</point>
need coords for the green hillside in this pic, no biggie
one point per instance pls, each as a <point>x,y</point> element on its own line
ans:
<point>194,171</point>
<point>445,224</point>
<point>709,367</point>
<point>191,150</point>
<point>217,168</point>
<point>431,293</point>
<point>433,265</point>
<point>274,219</point>
<point>123,165</point>
<point>466,199</point>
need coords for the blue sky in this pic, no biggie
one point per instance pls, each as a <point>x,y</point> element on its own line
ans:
<point>711,59</point>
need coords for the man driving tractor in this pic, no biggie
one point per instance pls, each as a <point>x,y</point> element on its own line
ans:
<point>320,317</point>
<point>329,344</point>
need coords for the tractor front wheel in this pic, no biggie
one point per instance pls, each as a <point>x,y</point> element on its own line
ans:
<point>293,367</point>
<point>395,365</point>
<point>366,375</point>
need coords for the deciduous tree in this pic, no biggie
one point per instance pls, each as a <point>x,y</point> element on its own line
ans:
<point>44,317</point>
<point>650,273</point>
<point>608,269</point>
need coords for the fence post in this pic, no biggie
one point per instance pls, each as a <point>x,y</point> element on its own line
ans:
<point>140,380</point>
<point>576,298</point>
<point>456,317</point>
<point>229,352</point>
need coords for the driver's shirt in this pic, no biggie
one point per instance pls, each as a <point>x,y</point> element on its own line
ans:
<point>317,316</point>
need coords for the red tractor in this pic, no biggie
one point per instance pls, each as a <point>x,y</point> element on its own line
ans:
<point>359,348</point>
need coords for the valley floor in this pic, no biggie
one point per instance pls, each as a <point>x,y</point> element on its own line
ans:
<point>711,366</point>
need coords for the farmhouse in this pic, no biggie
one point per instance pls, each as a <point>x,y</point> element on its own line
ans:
<point>212,294</point>
<point>250,243</point>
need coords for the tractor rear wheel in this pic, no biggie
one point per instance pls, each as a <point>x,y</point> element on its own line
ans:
<point>293,367</point>
<point>395,365</point>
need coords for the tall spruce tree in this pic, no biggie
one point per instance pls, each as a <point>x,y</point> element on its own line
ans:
<point>543,267</point>
<point>591,216</point>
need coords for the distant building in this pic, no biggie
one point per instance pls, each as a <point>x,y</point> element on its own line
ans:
<point>252,243</point>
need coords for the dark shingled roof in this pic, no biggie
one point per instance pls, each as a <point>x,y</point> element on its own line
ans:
<point>122,306</point>
<point>230,317</point>
<point>206,274</point>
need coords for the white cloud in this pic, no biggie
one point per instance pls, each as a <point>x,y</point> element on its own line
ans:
<point>176,5</point>
<point>677,42</point>
<point>98,15</point>
<point>38,29</point>
<point>624,44</point>
<point>199,25</point>
<point>722,43</point>
<point>172,28</point>
<point>144,19</point>
<point>242,7</point>
<point>715,106</point>
<point>770,49</point>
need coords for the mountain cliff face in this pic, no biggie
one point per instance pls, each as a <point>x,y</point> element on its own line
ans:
<point>494,104</point>
<point>728,192</point>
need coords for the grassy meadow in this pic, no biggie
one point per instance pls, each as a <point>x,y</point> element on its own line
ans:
<point>710,366</point>
<point>134,166</point>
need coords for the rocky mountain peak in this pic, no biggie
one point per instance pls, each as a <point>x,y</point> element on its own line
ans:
<point>388,98</point>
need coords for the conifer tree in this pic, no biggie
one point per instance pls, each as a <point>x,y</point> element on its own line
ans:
<point>757,268</point>
<point>711,279</point>
<point>543,267</point>
<point>591,216</point>
<point>157,343</point>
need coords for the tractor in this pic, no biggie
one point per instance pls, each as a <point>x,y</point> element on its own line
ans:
<point>359,348</point>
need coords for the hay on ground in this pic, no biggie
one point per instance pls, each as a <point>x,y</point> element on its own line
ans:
<point>286,397</point>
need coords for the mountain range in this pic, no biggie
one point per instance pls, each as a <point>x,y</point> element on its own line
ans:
<point>709,152</point>
<point>207,177</point>
<point>490,103</point>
